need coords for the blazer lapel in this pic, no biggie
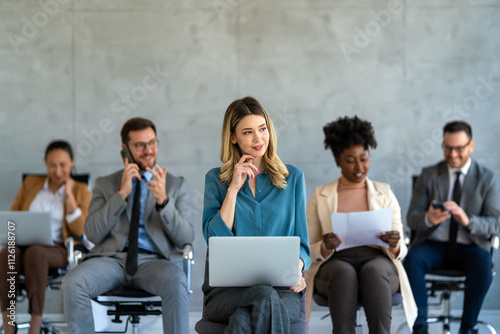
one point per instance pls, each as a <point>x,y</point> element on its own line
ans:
<point>329,193</point>
<point>442,184</point>
<point>470,183</point>
<point>150,203</point>
<point>375,198</point>
<point>35,184</point>
<point>328,205</point>
<point>128,210</point>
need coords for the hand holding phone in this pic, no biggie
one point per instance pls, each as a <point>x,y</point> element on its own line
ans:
<point>438,205</point>
<point>126,154</point>
<point>437,213</point>
<point>131,171</point>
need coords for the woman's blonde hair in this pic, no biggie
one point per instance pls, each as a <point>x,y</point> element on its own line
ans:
<point>230,153</point>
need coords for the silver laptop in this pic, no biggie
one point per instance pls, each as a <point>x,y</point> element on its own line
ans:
<point>249,261</point>
<point>25,228</point>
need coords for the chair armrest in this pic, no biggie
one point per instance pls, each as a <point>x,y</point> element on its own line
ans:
<point>69,242</point>
<point>187,255</point>
<point>187,252</point>
<point>495,241</point>
<point>406,240</point>
<point>74,256</point>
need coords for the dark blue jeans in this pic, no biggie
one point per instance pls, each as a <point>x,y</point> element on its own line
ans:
<point>431,255</point>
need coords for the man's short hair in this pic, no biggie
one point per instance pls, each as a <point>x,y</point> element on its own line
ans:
<point>457,126</point>
<point>135,124</point>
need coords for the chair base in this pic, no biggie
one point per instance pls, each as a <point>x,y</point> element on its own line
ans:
<point>132,304</point>
<point>48,326</point>
<point>134,320</point>
<point>447,320</point>
<point>446,282</point>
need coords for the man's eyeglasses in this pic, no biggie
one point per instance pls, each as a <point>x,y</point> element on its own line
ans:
<point>458,149</point>
<point>141,146</point>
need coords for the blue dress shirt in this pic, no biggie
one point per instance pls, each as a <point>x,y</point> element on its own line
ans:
<point>145,241</point>
<point>272,212</point>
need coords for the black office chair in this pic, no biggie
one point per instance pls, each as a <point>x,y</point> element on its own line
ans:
<point>446,281</point>
<point>54,279</point>
<point>397,299</point>
<point>134,303</point>
<point>205,326</point>
<point>81,177</point>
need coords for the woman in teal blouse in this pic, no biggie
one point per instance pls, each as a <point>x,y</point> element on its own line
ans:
<point>254,194</point>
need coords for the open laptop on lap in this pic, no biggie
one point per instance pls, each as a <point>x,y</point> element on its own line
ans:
<point>25,228</point>
<point>249,261</point>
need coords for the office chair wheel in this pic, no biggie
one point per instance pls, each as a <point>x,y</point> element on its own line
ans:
<point>488,326</point>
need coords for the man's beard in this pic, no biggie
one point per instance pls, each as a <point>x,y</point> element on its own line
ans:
<point>142,167</point>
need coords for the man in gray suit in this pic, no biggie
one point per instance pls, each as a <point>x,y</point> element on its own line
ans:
<point>456,235</point>
<point>163,213</point>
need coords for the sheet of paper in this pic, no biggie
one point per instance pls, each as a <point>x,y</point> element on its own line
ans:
<point>361,228</point>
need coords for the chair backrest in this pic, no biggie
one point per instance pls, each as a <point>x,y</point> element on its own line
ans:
<point>83,177</point>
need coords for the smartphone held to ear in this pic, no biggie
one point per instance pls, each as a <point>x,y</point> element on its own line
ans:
<point>125,153</point>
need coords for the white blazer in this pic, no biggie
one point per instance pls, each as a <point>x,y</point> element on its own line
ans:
<point>322,204</point>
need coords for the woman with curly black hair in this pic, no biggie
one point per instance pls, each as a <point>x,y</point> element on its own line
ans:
<point>368,274</point>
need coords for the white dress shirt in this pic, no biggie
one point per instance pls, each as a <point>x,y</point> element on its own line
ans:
<point>53,203</point>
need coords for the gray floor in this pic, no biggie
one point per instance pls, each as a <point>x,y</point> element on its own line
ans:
<point>317,326</point>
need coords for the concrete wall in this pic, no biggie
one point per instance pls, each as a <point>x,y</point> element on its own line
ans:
<point>77,69</point>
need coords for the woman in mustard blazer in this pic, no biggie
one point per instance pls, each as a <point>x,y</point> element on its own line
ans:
<point>370,274</point>
<point>67,201</point>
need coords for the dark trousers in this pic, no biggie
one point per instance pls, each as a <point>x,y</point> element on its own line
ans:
<point>256,309</point>
<point>472,259</point>
<point>360,274</point>
<point>35,262</point>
